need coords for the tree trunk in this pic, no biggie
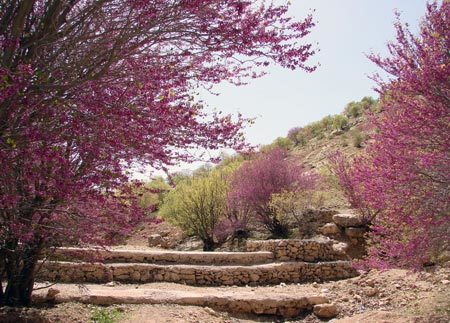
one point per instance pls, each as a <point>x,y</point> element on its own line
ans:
<point>208,244</point>
<point>20,273</point>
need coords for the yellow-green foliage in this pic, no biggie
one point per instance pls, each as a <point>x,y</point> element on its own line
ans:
<point>300,136</point>
<point>356,109</point>
<point>149,198</point>
<point>280,142</point>
<point>340,122</point>
<point>197,203</point>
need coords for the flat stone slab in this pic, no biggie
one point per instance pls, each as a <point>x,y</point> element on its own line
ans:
<point>199,275</point>
<point>243,302</point>
<point>162,256</point>
<point>345,220</point>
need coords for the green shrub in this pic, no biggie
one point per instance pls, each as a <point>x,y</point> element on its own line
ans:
<point>353,110</point>
<point>197,204</point>
<point>340,122</point>
<point>105,315</point>
<point>357,138</point>
<point>281,142</point>
<point>356,109</point>
<point>301,138</point>
<point>326,123</point>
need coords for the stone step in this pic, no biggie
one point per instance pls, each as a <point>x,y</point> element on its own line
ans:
<point>285,305</point>
<point>263,274</point>
<point>161,256</point>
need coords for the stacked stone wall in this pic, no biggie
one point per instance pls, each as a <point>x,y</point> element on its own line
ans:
<point>275,273</point>
<point>297,250</point>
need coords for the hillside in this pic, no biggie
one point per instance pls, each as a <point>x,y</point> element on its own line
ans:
<point>348,132</point>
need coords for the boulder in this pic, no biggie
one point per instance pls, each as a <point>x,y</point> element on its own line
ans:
<point>325,311</point>
<point>330,229</point>
<point>347,220</point>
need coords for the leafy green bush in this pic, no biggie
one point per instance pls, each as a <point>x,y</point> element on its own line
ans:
<point>198,203</point>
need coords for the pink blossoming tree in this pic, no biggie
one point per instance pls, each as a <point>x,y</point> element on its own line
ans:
<point>404,178</point>
<point>89,89</point>
<point>256,181</point>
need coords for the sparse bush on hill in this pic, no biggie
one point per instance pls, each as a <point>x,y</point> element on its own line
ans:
<point>340,122</point>
<point>357,138</point>
<point>279,143</point>
<point>292,135</point>
<point>357,109</point>
<point>300,136</point>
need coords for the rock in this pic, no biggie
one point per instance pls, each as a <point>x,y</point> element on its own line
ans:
<point>340,247</point>
<point>355,232</point>
<point>51,294</point>
<point>370,282</point>
<point>370,291</point>
<point>445,282</point>
<point>155,240</point>
<point>326,311</point>
<point>347,220</point>
<point>330,229</point>
<point>210,311</point>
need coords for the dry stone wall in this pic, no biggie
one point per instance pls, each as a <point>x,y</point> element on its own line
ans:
<point>297,250</point>
<point>275,273</point>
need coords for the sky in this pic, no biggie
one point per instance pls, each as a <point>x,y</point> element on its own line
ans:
<point>346,30</point>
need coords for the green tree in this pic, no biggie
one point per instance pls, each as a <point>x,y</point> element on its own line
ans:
<point>198,203</point>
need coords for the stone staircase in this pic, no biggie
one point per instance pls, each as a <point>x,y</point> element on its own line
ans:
<point>265,263</point>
